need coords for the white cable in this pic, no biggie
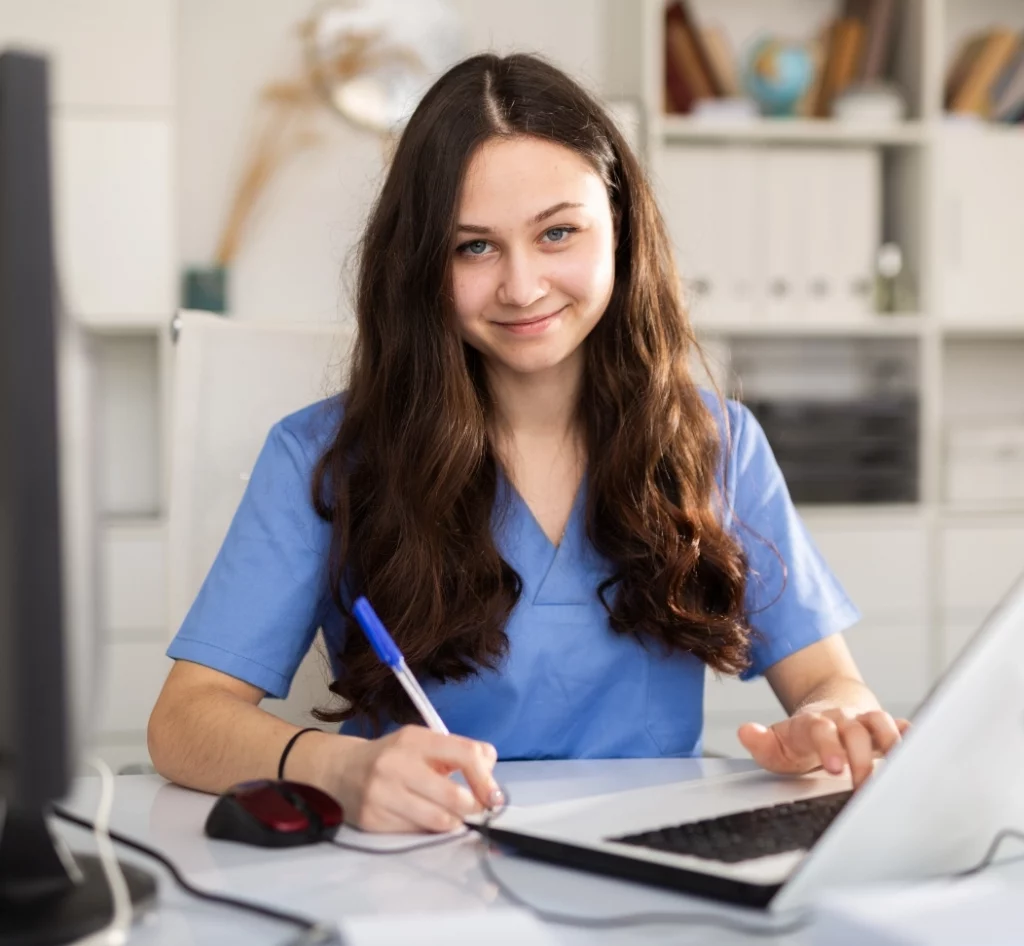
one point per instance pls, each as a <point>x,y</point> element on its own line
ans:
<point>115,933</point>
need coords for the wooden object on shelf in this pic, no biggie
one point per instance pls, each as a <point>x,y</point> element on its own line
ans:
<point>722,60</point>
<point>683,54</point>
<point>845,41</point>
<point>817,48</point>
<point>679,95</point>
<point>678,100</point>
<point>685,44</point>
<point>1007,97</point>
<point>961,62</point>
<point>993,55</point>
<point>880,27</point>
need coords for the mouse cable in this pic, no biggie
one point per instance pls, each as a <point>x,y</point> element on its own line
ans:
<point>691,919</point>
<point>990,854</point>
<point>694,919</point>
<point>625,920</point>
<point>405,849</point>
<point>314,933</point>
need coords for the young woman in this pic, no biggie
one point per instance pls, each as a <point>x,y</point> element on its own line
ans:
<point>560,528</point>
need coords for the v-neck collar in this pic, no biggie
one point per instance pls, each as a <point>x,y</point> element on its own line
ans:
<point>517,498</point>
<point>552,574</point>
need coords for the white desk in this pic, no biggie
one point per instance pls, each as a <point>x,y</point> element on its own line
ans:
<point>331,884</point>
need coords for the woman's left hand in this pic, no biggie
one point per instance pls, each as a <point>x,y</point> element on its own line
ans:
<point>830,738</point>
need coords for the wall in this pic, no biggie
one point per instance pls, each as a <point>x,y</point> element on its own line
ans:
<point>292,264</point>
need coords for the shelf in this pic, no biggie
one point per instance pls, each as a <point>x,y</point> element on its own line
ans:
<point>155,524</point>
<point>983,507</point>
<point>877,326</point>
<point>125,325</point>
<point>886,512</point>
<point>984,328</point>
<point>973,125</point>
<point>677,128</point>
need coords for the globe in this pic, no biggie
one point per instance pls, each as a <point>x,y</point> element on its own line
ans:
<point>777,75</point>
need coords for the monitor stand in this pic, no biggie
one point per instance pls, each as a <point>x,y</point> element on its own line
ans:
<point>49,896</point>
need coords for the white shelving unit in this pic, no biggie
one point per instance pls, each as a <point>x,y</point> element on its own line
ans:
<point>926,574</point>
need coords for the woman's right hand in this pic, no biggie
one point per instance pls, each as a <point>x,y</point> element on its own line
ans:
<point>400,782</point>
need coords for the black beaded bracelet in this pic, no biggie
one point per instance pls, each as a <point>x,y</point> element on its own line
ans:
<point>288,748</point>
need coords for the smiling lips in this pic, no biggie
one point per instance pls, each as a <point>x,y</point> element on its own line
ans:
<point>531,326</point>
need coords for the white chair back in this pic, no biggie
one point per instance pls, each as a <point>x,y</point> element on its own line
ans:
<point>231,382</point>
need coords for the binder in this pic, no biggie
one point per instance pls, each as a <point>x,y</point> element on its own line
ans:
<point>703,216</point>
<point>743,221</point>
<point>857,228</point>
<point>783,239</point>
<point>687,196</point>
<point>818,284</point>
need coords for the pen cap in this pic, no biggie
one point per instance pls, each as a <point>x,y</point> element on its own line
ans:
<point>376,633</point>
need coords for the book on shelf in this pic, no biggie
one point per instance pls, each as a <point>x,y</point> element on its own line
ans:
<point>721,59</point>
<point>845,41</point>
<point>856,50</point>
<point>855,47</point>
<point>817,49</point>
<point>980,63</point>
<point>689,71</point>
<point>964,58</point>
<point>679,97</point>
<point>1007,95</point>
<point>879,31</point>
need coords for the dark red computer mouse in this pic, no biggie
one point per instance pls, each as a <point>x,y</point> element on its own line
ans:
<point>274,814</point>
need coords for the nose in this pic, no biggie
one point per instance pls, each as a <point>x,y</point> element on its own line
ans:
<point>522,281</point>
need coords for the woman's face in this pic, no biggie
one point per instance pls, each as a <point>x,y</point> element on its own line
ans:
<point>535,254</point>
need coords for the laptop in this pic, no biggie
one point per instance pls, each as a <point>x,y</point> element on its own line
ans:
<point>932,807</point>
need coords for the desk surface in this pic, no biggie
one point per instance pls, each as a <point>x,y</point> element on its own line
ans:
<point>332,884</point>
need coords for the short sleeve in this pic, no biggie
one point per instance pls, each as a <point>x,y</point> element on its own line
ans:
<point>264,597</point>
<point>793,598</point>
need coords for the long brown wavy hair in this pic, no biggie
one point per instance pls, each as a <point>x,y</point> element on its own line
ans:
<point>409,481</point>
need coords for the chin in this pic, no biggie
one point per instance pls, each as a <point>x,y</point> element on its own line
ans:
<point>531,362</point>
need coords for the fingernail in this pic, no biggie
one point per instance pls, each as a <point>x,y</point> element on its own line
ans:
<point>834,764</point>
<point>491,751</point>
<point>496,799</point>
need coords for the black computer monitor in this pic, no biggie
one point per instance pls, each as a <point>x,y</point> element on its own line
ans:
<point>46,896</point>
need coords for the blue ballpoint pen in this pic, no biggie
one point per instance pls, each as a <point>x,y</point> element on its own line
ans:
<point>388,652</point>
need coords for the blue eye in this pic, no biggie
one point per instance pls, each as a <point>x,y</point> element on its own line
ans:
<point>562,231</point>
<point>474,248</point>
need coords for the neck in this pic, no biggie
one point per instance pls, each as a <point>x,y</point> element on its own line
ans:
<point>540,405</point>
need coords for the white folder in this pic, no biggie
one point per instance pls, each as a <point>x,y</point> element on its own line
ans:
<point>743,221</point>
<point>691,188</point>
<point>819,282</point>
<point>783,198</point>
<point>981,193</point>
<point>858,227</point>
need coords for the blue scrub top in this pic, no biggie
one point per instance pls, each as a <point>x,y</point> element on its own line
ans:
<point>570,687</point>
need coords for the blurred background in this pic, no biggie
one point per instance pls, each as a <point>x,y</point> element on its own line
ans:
<point>842,183</point>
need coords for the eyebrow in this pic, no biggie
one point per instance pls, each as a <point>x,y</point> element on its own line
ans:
<point>543,215</point>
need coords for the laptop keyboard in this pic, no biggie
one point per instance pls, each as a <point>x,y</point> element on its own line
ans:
<point>744,835</point>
